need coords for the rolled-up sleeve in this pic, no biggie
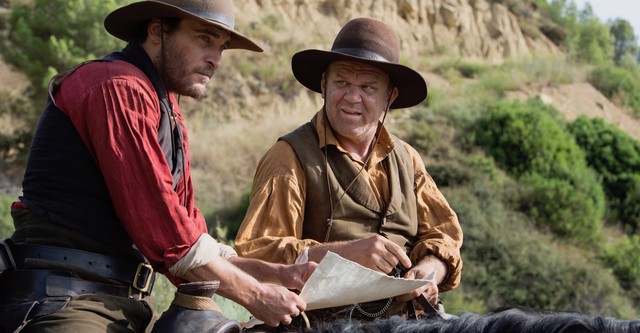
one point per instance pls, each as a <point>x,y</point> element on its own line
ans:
<point>121,134</point>
<point>272,227</point>
<point>439,231</point>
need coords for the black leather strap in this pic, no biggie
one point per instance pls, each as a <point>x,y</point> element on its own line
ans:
<point>33,284</point>
<point>429,310</point>
<point>68,286</point>
<point>137,274</point>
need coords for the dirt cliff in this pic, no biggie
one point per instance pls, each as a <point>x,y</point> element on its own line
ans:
<point>473,29</point>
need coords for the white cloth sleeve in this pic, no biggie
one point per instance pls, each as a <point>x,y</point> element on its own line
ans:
<point>200,254</point>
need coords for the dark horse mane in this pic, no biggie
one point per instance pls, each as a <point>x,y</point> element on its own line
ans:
<point>499,320</point>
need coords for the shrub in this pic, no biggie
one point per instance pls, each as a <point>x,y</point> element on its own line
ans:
<point>43,38</point>
<point>570,207</point>
<point>527,141</point>
<point>616,157</point>
<point>6,222</point>
<point>15,136</point>
<point>526,137</point>
<point>618,84</point>
<point>623,258</point>
<point>508,262</point>
<point>47,36</point>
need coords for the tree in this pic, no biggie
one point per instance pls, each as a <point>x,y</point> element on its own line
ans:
<point>52,35</point>
<point>594,41</point>
<point>625,39</point>
<point>43,38</point>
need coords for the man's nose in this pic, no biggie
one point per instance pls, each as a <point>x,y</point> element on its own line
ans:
<point>353,94</point>
<point>214,58</point>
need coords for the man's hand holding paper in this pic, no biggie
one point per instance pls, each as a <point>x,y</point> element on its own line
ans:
<point>337,282</point>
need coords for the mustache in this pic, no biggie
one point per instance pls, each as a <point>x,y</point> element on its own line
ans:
<point>208,70</point>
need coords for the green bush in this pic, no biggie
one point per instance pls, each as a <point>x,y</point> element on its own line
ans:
<point>6,222</point>
<point>14,144</point>
<point>463,68</point>
<point>619,84</point>
<point>526,137</point>
<point>421,131</point>
<point>616,157</point>
<point>47,36</point>
<point>623,258</point>
<point>508,262</point>
<point>571,207</point>
<point>44,37</point>
<point>526,140</point>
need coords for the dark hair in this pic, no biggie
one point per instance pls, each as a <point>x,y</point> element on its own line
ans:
<point>169,24</point>
<point>501,320</point>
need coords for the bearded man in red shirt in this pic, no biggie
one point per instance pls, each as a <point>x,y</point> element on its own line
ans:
<point>108,196</point>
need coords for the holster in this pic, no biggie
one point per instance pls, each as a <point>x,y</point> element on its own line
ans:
<point>193,310</point>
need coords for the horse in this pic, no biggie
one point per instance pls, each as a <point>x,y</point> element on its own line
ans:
<point>498,320</point>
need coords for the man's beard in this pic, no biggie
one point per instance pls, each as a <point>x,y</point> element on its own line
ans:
<point>176,74</point>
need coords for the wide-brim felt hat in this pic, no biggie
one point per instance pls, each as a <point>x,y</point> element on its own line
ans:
<point>367,41</point>
<point>127,21</point>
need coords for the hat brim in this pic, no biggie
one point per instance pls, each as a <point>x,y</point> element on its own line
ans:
<point>126,21</point>
<point>308,66</point>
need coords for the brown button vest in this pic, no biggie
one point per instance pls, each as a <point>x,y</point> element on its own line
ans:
<point>358,214</point>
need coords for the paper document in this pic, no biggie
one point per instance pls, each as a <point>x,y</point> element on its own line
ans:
<point>337,281</point>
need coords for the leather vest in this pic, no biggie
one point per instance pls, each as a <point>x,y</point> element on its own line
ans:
<point>357,214</point>
<point>63,183</point>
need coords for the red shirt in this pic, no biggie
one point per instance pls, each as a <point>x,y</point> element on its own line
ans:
<point>115,109</point>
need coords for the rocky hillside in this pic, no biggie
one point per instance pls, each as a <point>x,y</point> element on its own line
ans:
<point>429,30</point>
<point>473,29</point>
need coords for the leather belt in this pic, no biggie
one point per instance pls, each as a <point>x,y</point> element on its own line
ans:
<point>138,275</point>
<point>39,283</point>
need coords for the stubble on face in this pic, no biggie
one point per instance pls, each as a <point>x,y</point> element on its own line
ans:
<point>355,118</point>
<point>177,73</point>
<point>180,50</point>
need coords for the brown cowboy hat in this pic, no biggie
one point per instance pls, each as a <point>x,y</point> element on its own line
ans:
<point>125,22</point>
<point>369,41</point>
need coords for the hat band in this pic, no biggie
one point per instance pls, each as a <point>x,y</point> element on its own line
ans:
<point>211,16</point>
<point>360,53</point>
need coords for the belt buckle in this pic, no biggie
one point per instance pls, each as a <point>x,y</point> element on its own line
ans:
<point>142,279</point>
<point>6,258</point>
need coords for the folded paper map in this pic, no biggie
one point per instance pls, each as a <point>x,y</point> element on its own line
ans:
<point>337,281</point>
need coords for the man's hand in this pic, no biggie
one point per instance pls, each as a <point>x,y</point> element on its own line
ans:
<point>422,270</point>
<point>276,304</point>
<point>295,276</point>
<point>375,252</point>
<point>268,302</point>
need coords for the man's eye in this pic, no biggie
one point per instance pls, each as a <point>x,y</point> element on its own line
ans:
<point>205,38</point>
<point>341,83</point>
<point>368,89</point>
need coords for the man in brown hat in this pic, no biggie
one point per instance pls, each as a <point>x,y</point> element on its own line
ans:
<point>343,183</point>
<point>108,196</point>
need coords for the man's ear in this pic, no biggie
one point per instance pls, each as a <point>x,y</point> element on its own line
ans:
<point>394,95</point>
<point>322,81</point>
<point>154,31</point>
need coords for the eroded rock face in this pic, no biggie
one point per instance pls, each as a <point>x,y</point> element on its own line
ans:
<point>472,29</point>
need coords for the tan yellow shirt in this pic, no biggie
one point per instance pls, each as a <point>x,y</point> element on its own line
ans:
<point>272,227</point>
